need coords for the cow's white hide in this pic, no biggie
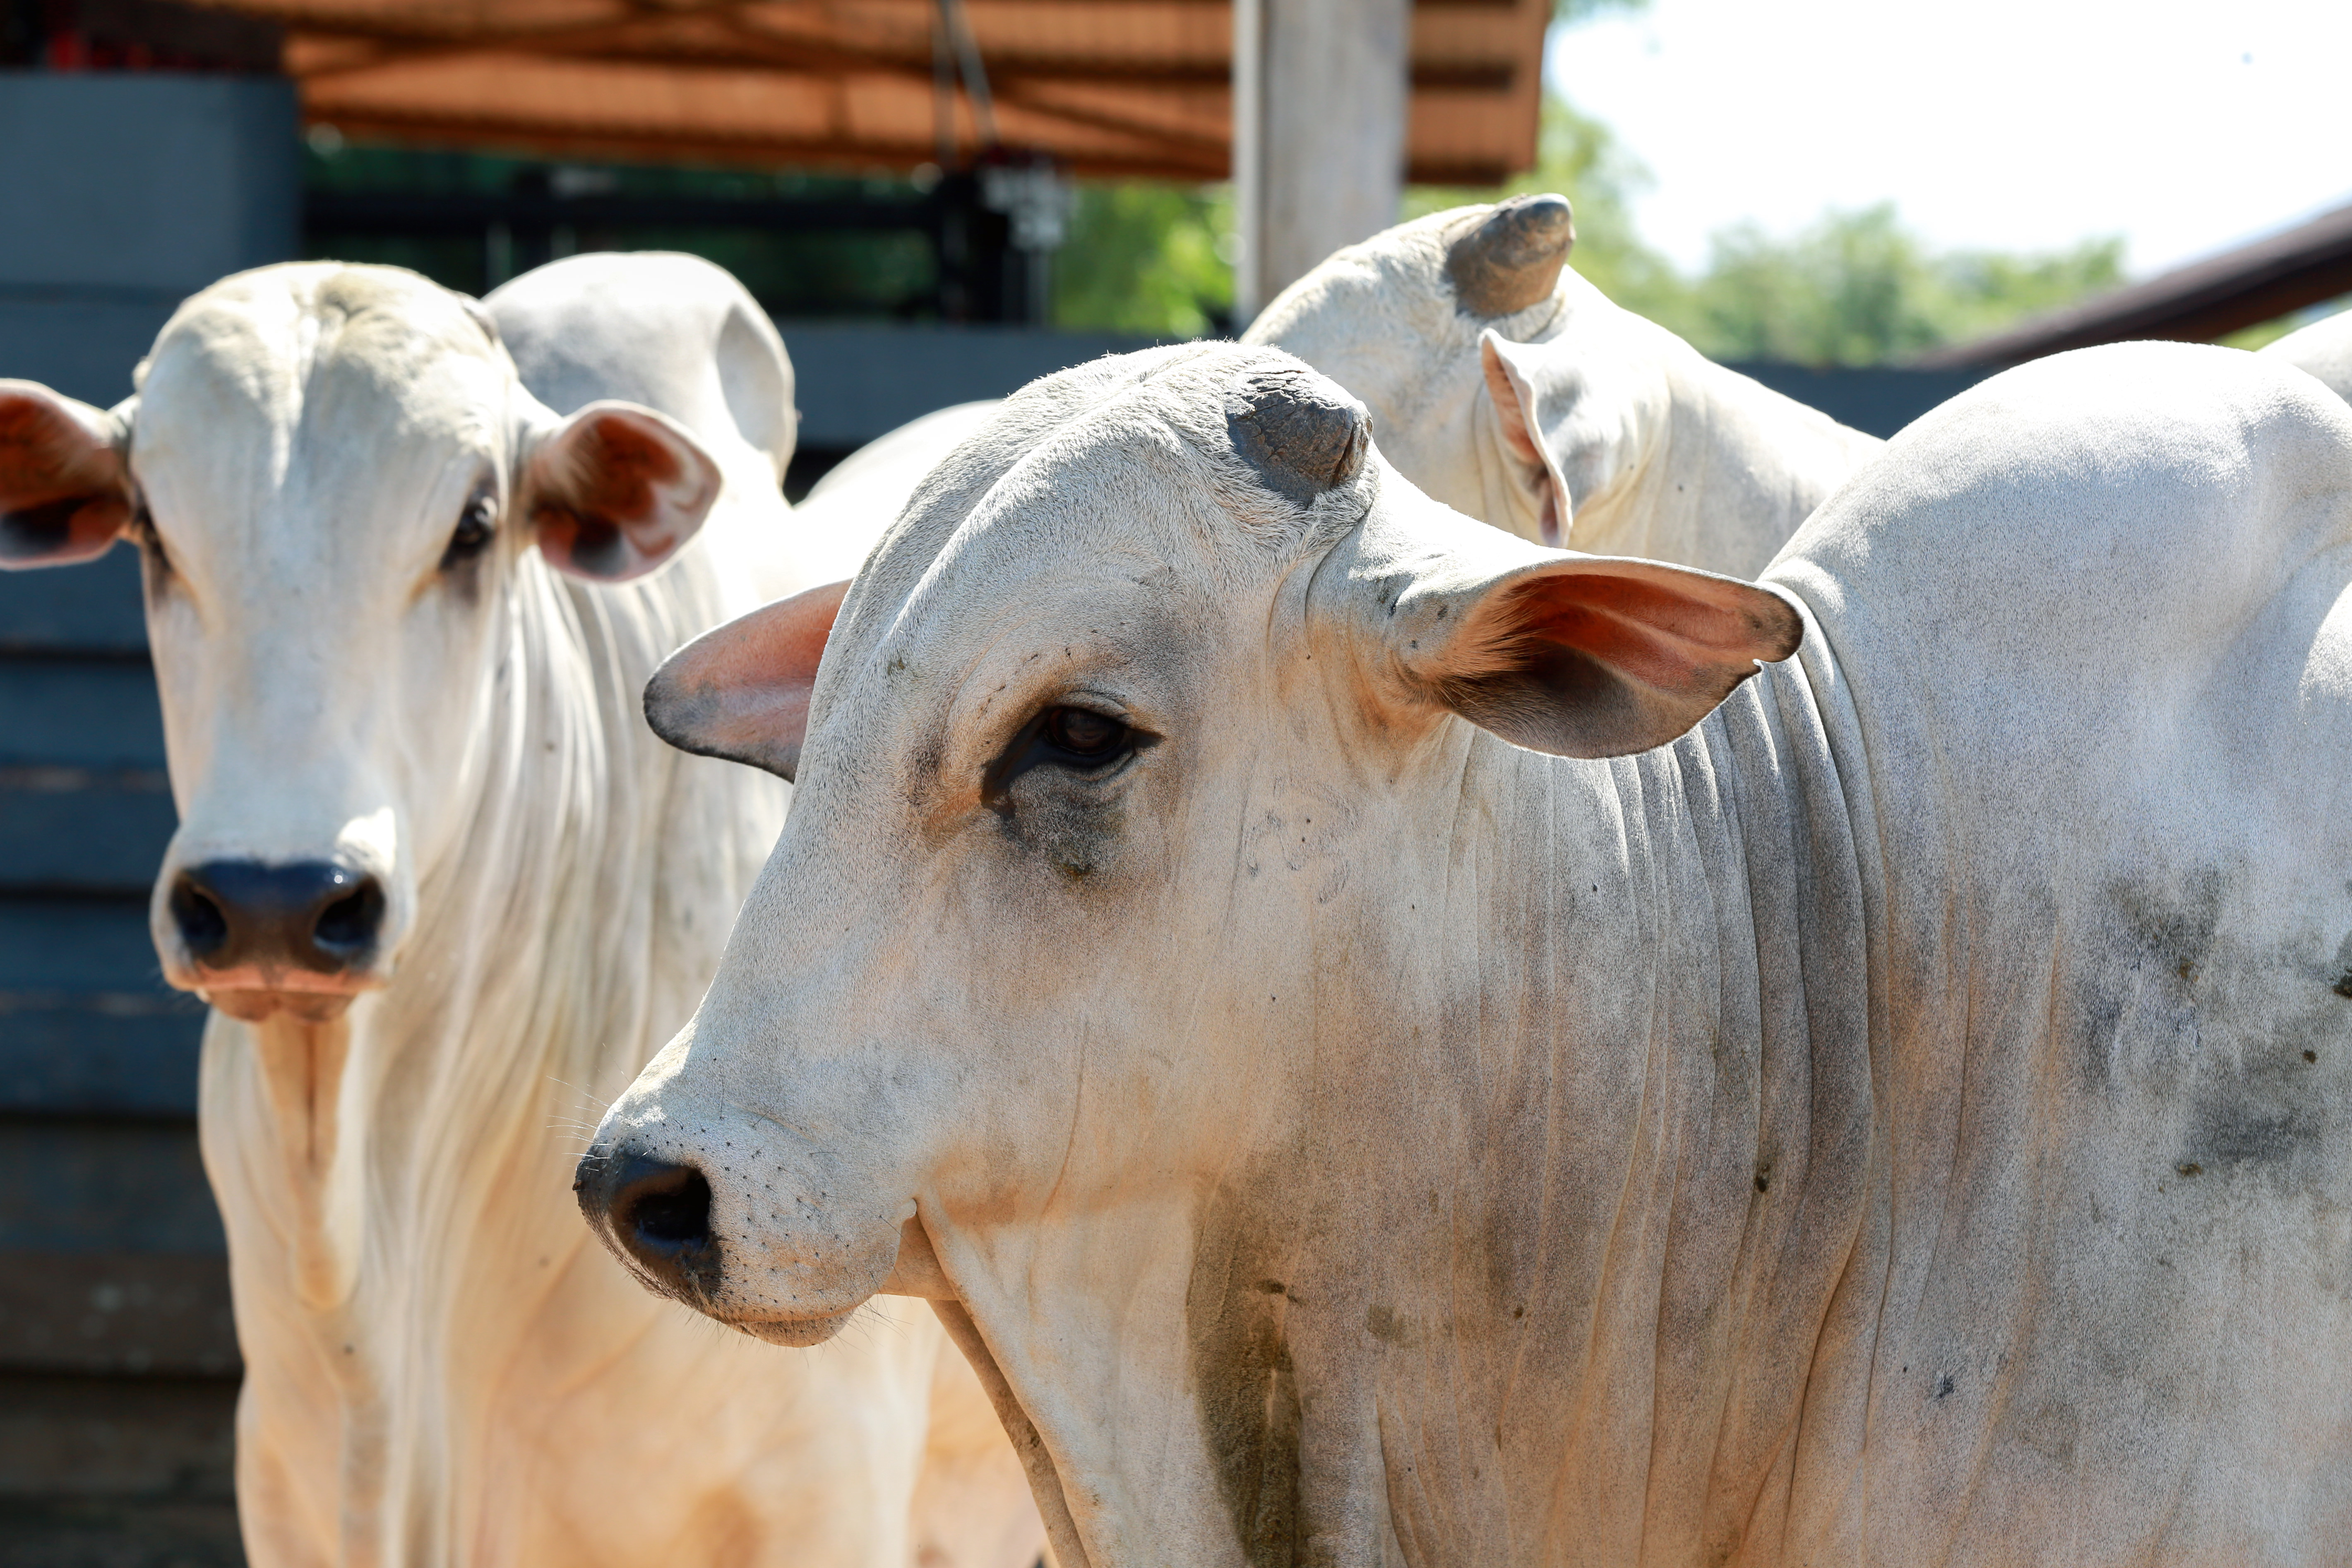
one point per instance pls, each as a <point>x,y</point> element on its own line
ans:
<point>439,1369</point>
<point>2323,349</point>
<point>1903,1121</point>
<point>1566,408</point>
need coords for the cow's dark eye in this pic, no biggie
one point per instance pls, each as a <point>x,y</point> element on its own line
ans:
<point>476,528</point>
<point>1072,740</point>
<point>1083,735</point>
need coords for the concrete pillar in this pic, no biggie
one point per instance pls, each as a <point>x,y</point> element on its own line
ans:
<point>121,195</point>
<point>1320,94</point>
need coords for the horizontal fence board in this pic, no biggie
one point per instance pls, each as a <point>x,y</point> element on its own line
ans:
<point>856,381</point>
<point>79,713</point>
<point>83,830</point>
<point>55,948</point>
<point>83,342</point>
<point>98,1532</point>
<point>1878,400</point>
<point>121,1053</point>
<point>146,1314</point>
<point>87,1187</point>
<point>115,1438</point>
<point>95,609</point>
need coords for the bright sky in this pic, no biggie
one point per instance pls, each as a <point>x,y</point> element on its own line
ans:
<point>2010,124</point>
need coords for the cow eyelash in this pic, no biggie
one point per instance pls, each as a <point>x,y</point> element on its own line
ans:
<point>476,526</point>
<point>1081,740</point>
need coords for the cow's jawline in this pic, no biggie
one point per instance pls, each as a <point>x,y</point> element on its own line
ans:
<point>1036,1460</point>
<point>797,1333</point>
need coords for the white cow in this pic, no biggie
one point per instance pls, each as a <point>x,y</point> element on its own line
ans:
<point>445,892</point>
<point>2323,349</point>
<point>1897,1109</point>
<point>1508,387</point>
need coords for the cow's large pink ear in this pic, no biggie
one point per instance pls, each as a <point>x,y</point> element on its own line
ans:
<point>613,492</point>
<point>741,691</point>
<point>64,491</point>
<point>1596,655</point>
<point>1581,656</point>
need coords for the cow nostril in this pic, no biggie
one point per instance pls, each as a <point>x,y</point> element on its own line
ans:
<point>656,1216</point>
<point>201,925</point>
<point>315,915</point>
<point>350,924</point>
<point>672,1211</point>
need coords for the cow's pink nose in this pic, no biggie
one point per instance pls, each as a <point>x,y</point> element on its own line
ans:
<point>310,915</point>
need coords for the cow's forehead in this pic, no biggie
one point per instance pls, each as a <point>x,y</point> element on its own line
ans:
<point>1092,478</point>
<point>268,346</point>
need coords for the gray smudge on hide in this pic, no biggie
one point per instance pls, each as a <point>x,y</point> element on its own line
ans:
<point>1512,258</point>
<point>1235,1308</point>
<point>1301,434</point>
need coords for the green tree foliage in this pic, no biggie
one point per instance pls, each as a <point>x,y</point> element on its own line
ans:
<point>1568,13</point>
<point>1146,256</point>
<point>1857,288</point>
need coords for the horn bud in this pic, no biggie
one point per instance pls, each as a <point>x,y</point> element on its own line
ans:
<point>1300,433</point>
<point>1511,259</point>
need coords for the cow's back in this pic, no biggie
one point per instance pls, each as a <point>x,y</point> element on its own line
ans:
<point>2323,349</point>
<point>2094,660</point>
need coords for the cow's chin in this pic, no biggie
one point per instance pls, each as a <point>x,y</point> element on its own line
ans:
<point>797,1333</point>
<point>257,995</point>
<point>254,998</point>
<point>261,1006</point>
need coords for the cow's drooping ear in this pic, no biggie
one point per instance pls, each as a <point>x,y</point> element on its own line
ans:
<point>65,490</point>
<point>1581,656</point>
<point>613,492</point>
<point>1511,384</point>
<point>741,691</point>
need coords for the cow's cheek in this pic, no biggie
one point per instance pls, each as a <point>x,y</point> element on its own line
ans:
<point>442,681</point>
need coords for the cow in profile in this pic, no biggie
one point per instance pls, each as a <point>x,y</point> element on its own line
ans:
<point>444,893</point>
<point>1390,1044</point>
<point>1506,386</point>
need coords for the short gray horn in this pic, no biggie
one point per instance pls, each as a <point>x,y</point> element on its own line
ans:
<point>1512,256</point>
<point>1298,430</point>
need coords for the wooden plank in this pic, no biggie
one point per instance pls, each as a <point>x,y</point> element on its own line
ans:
<point>80,712</point>
<point>146,1314</point>
<point>858,381</point>
<point>54,948</point>
<point>83,830</point>
<point>80,1532</point>
<point>95,609</point>
<point>107,1054</point>
<point>116,1438</point>
<point>97,1187</point>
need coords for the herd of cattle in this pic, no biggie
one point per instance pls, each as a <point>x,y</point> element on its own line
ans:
<point>1810,1027</point>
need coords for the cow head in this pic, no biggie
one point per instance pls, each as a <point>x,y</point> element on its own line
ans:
<point>340,490</point>
<point>1117,767</point>
<point>1499,381</point>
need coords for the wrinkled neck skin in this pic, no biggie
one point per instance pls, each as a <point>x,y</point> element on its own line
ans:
<point>1463,1230</point>
<point>1705,467</point>
<point>395,1180</point>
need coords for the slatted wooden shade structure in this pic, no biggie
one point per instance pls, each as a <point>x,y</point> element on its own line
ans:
<point>1106,87</point>
<point>2201,302</point>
